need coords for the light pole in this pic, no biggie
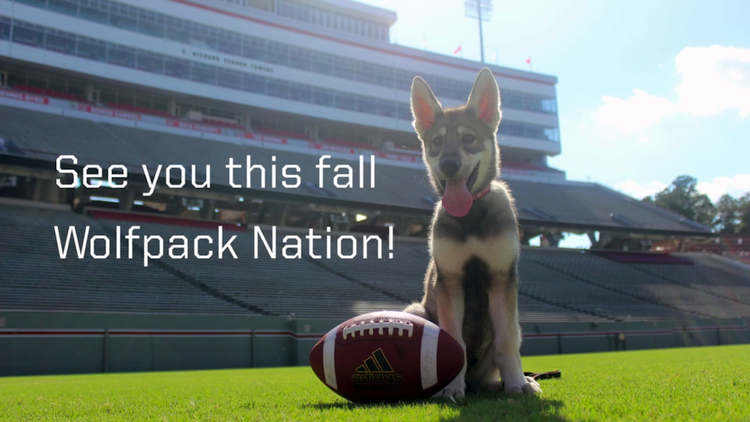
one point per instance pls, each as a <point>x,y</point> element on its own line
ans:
<point>482,11</point>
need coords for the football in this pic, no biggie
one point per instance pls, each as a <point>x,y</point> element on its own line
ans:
<point>386,356</point>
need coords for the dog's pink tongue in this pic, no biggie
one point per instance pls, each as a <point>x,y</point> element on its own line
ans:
<point>457,199</point>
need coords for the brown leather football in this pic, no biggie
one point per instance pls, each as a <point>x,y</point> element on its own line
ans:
<point>386,356</point>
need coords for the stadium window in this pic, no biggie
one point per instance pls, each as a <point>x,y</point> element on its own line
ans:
<point>36,3</point>
<point>231,80</point>
<point>403,111</point>
<point>229,47</point>
<point>202,73</point>
<point>91,49</point>
<point>301,93</point>
<point>177,68</point>
<point>321,65</point>
<point>366,105</point>
<point>278,88</point>
<point>120,56</point>
<point>176,34</point>
<point>150,28</point>
<point>60,43</point>
<point>123,22</point>
<point>385,108</point>
<point>28,34</point>
<point>549,105</point>
<point>322,97</point>
<point>64,6</point>
<point>149,63</point>
<point>92,14</point>
<point>552,134</point>
<point>254,83</point>
<point>4,28</point>
<point>277,57</point>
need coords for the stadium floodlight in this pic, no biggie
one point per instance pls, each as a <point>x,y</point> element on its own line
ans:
<point>481,10</point>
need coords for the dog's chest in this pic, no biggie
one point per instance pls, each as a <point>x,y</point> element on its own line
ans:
<point>498,252</point>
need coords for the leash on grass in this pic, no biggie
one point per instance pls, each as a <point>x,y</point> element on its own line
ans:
<point>543,375</point>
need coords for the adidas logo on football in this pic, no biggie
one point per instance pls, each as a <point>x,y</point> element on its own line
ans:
<point>376,370</point>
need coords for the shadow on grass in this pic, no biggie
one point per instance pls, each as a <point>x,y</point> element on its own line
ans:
<point>482,406</point>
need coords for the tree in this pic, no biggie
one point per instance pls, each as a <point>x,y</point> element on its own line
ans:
<point>728,214</point>
<point>744,210</point>
<point>682,197</point>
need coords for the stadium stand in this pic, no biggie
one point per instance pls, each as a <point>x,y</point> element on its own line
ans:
<point>630,280</point>
<point>296,287</point>
<point>556,285</point>
<point>35,278</point>
<point>305,290</point>
<point>573,203</point>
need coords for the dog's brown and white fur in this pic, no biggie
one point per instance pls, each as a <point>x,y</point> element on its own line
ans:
<point>471,285</point>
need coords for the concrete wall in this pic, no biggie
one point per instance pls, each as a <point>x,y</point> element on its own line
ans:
<point>68,342</point>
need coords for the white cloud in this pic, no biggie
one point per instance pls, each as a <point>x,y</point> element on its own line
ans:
<point>736,186</point>
<point>639,191</point>
<point>714,79</point>
<point>633,113</point>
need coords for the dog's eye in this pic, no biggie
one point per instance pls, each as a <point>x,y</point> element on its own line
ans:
<point>438,141</point>
<point>468,139</point>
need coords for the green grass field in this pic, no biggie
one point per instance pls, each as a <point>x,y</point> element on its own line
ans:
<point>709,383</point>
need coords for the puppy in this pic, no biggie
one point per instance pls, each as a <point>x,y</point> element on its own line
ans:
<point>471,285</point>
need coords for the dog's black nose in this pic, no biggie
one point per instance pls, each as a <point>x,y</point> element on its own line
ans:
<point>449,166</point>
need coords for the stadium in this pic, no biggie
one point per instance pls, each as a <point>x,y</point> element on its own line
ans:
<point>208,184</point>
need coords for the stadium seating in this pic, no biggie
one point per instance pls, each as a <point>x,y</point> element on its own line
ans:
<point>556,285</point>
<point>35,278</point>
<point>279,286</point>
<point>671,296</point>
<point>569,202</point>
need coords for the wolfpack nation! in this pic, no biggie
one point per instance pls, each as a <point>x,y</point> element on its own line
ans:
<point>78,243</point>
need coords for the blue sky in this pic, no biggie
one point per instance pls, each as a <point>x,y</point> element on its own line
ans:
<point>647,91</point>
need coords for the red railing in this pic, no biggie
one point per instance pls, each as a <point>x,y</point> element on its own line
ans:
<point>221,123</point>
<point>49,93</point>
<point>142,110</point>
<point>283,134</point>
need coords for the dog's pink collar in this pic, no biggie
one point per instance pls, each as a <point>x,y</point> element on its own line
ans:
<point>481,193</point>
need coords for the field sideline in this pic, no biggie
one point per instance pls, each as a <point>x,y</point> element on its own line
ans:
<point>706,383</point>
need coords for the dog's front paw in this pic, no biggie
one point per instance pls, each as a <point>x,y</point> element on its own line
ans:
<point>455,391</point>
<point>529,386</point>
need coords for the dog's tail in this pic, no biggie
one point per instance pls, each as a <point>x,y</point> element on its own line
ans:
<point>419,310</point>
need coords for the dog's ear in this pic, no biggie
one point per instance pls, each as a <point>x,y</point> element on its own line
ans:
<point>484,100</point>
<point>425,108</point>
